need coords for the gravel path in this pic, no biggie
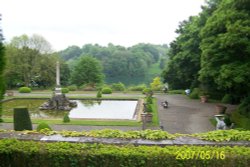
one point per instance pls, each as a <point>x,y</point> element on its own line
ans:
<point>185,115</point>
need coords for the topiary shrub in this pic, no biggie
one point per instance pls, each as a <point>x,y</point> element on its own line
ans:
<point>24,90</point>
<point>106,90</point>
<point>66,118</point>
<point>149,108</point>
<point>195,93</point>
<point>228,99</point>
<point>22,119</point>
<point>65,90</point>
<point>138,87</point>
<point>99,94</point>
<point>72,88</point>
<point>118,86</point>
<point>43,125</point>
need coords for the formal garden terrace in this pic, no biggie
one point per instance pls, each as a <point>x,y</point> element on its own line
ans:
<point>118,148</point>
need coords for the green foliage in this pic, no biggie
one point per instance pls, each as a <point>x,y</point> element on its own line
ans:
<point>140,87</point>
<point>2,67</point>
<point>65,90</point>
<point>99,94</point>
<point>118,86</point>
<point>156,84</point>
<point>41,154</point>
<point>195,93</point>
<point>24,90</point>
<point>22,119</point>
<point>147,91</point>
<point>43,125</point>
<point>149,108</point>
<point>106,90</point>
<point>88,70</point>
<point>244,107</point>
<point>176,92</point>
<point>228,99</point>
<point>66,118</point>
<point>224,135</point>
<point>149,99</point>
<point>72,88</point>
<point>30,62</point>
<point>240,121</point>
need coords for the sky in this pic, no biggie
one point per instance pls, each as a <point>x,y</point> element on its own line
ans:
<point>78,22</point>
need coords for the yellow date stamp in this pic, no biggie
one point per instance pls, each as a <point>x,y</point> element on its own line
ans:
<point>205,155</point>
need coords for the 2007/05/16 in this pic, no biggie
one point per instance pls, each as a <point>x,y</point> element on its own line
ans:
<point>200,155</point>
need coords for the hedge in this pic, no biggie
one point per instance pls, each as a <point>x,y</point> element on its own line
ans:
<point>22,119</point>
<point>64,154</point>
<point>24,90</point>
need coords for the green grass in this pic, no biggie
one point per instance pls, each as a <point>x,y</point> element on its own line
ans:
<point>155,119</point>
<point>82,122</point>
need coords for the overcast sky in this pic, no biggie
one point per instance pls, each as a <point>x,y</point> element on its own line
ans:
<point>78,22</point>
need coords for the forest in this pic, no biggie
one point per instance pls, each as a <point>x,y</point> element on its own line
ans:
<point>212,51</point>
<point>31,62</point>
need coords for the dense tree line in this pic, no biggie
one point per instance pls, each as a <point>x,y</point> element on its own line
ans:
<point>119,63</point>
<point>2,65</point>
<point>212,50</point>
<point>31,62</point>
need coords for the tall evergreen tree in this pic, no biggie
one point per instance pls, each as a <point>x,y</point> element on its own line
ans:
<point>2,64</point>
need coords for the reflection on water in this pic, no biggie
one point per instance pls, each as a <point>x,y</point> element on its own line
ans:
<point>106,109</point>
<point>93,109</point>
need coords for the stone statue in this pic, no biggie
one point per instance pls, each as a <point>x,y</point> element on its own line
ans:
<point>220,122</point>
<point>58,101</point>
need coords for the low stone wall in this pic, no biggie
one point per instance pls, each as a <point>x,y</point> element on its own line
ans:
<point>117,141</point>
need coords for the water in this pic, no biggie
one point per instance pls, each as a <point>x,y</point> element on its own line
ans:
<point>106,109</point>
<point>86,109</point>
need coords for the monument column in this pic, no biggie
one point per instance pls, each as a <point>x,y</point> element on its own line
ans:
<point>58,90</point>
<point>57,74</point>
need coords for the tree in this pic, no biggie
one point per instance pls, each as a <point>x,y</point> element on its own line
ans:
<point>226,48</point>
<point>156,84</point>
<point>2,65</point>
<point>88,70</point>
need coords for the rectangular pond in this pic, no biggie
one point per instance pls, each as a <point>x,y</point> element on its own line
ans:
<point>86,109</point>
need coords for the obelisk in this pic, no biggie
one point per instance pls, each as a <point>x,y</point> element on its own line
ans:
<point>58,86</point>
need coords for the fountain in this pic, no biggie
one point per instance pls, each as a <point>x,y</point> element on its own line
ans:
<point>58,101</point>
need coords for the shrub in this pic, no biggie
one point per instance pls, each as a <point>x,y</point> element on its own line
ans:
<point>149,108</point>
<point>24,90</point>
<point>244,107</point>
<point>118,86</point>
<point>99,94</point>
<point>72,88</point>
<point>22,119</point>
<point>195,93</point>
<point>29,153</point>
<point>43,125</point>
<point>228,99</point>
<point>147,91</point>
<point>106,90</point>
<point>138,87</point>
<point>65,90</point>
<point>66,118</point>
<point>149,99</point>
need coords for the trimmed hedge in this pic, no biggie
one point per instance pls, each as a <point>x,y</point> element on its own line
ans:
<point>66,118</point>
<point>65,90</point>
<point>64,154</point>
<point>24,90</point>
<point>106,90</point>
<point>22,119</point>
<point>43,125</point>
<point>72,88</point>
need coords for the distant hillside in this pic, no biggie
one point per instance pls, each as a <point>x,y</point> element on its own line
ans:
<point>134,65</point>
